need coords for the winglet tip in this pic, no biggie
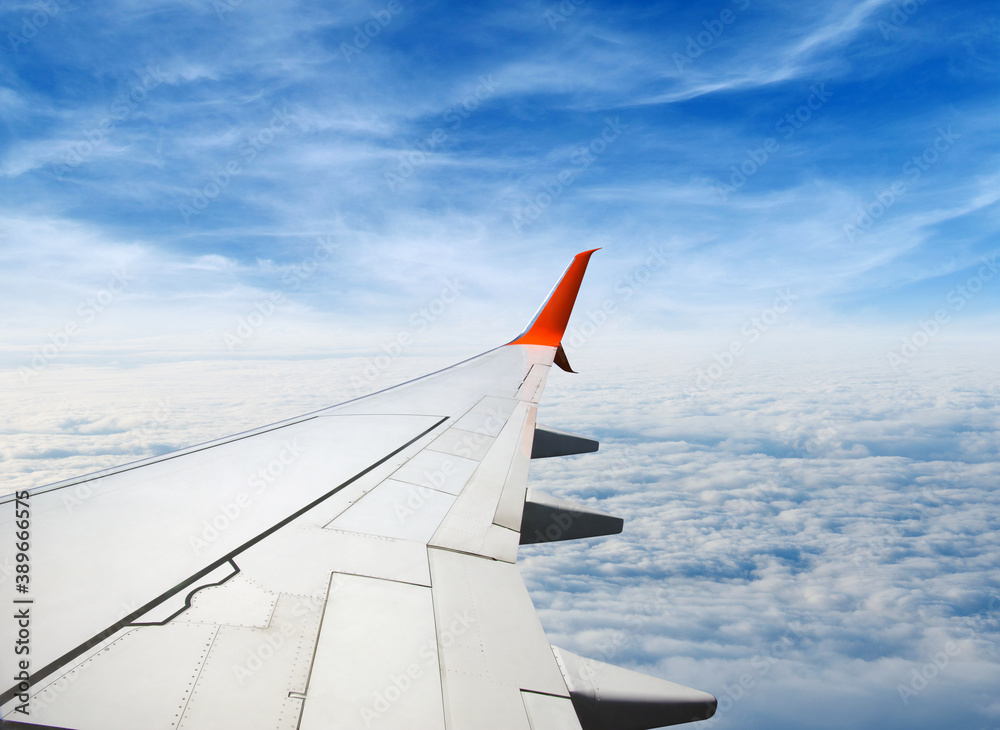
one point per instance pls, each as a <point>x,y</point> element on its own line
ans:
<point>550,322</point>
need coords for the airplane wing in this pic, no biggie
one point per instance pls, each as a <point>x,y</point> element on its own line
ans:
<point>350,568</point>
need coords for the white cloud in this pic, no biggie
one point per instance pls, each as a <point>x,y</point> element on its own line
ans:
<point>833,500</point>
<point>824,525</point>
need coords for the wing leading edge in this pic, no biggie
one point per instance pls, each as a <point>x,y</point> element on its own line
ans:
<point>354,567</point>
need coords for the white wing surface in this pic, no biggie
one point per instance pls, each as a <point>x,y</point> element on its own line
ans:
<point>350,568</point>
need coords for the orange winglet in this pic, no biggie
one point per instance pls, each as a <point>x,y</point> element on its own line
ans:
<point>549,324</point>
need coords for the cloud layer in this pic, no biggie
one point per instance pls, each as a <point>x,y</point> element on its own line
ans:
<point>221,214</point>
<point>848,152</point>
<point>801,536</point>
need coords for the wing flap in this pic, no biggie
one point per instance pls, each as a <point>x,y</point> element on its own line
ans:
<point>267,668</point>
<point>373,670</point>
<point>397,509</point>
<point>145,674</point>
<point>511,502</point>
<point>469,524</point>
<point>460,442</point>
<point>438,470</point>
<point>490,641</point>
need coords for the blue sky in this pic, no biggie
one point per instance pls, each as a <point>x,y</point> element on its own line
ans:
<point>215,214</point>
<point>742,139</point>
